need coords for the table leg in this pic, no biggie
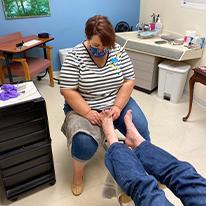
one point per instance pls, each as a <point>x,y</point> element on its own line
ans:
<point>192,83</point>
<point>44,49</point>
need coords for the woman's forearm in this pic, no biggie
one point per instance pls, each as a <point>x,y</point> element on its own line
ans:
<point>124,94</point>
<point>76,101</point>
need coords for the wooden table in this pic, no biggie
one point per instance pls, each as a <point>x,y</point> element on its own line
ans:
<point>198,76</point>
<point>9,48</point>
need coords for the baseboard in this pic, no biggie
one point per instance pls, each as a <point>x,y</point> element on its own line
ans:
<point>197,100</point>
<point>145,90</point>
<point>200,102</point>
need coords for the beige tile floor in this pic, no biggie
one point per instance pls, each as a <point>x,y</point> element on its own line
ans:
<point>187,141</point>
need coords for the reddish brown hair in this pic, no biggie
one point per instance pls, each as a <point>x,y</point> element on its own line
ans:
<point>101,26</point>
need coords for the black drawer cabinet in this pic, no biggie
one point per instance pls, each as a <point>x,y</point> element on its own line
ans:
<point>26,160</point>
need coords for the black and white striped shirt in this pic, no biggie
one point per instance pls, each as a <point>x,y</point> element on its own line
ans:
<point>98,86</point>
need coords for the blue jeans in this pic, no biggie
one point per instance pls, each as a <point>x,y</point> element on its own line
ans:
<point>138,118</point>
<point>134,170</point>
<point>83,146</point>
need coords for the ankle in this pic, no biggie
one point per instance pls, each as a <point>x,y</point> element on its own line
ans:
<point>77,180</point>
<point>138,141</point>
<point>112,139</point>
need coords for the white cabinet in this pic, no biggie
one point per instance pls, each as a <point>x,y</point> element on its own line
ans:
<point>146,70</point>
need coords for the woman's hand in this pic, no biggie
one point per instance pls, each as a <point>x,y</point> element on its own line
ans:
<point>94,117</point>
<point>115,112</point>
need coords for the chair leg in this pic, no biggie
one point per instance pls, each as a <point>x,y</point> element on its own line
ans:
<point>2,75</point>
<point>27,77</point>
<point>26,71</point>
<point>50,70</point>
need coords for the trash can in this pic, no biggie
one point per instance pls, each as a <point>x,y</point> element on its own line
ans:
<point>63,53</point>
<point>172,79</point>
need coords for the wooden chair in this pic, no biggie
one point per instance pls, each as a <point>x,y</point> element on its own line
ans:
<point>1,69</point>
<point>4,40</point>
<point>27,66</point>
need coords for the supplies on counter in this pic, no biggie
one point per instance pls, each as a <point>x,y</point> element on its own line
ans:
<point>192,40</point>
<point>148,30</point>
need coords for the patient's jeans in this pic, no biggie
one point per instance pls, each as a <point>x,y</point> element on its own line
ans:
<point>180,177</point>
<point>132,169</point>
<point>138,119</point>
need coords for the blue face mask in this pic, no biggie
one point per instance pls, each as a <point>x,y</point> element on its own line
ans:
<point>97,53</point>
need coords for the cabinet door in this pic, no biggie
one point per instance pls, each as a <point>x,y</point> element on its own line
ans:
<point>146,70</point>
<point>142,57</point>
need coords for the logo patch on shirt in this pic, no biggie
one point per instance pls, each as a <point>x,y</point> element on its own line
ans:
<point>115,63</point>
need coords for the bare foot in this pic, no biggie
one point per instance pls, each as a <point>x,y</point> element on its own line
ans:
<point>108,127</point>
<point>133,138</point>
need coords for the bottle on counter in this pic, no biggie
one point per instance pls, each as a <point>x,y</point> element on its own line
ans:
<point>158,26</point>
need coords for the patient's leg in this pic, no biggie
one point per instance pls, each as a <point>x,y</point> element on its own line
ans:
<point>128,171</point>
<point>179,176</point>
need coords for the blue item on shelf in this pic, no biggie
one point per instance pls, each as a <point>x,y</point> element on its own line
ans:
<point>147,34</point>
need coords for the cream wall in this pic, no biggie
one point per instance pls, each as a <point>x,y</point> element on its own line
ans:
<point>178,19</point>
